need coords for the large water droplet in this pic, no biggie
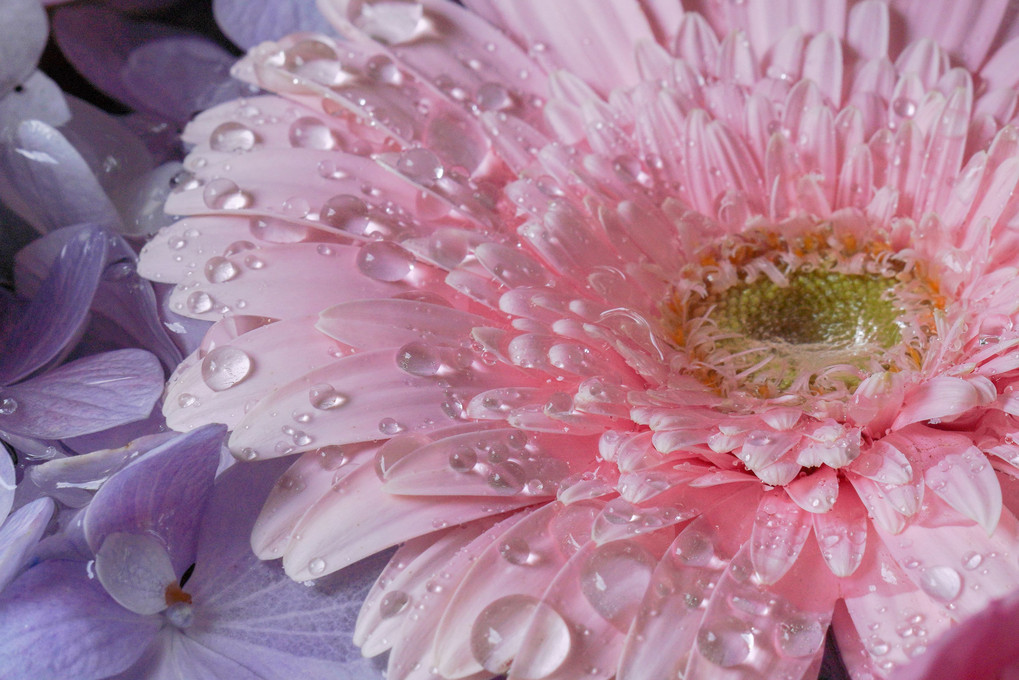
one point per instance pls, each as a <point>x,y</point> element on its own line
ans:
<point>941,583</point>
<point>614,579</point>
<point>499,631</point>
<point>224,194</point>
<point>325,397</point>
<point>515,550</point>
<point>418,359</point>
<point>462,459</point>
<point>384,261</point>
<point>317,566</point>
<point>393,603</point>
<point>311,133</point>
<point>224,367</point>
<point>726,643</point>
<point>420,165</point>
<point>391,21</point>
<point>199,302</point>
<point>383,69</point>
<point>220,269</point>
<point>232,137</point>
<point>494,97</point>
<point>802,637</point>
<point>344,212</point>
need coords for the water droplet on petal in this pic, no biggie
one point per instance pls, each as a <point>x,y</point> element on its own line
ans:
<point>614,579</point>
<point>726,643</point>
<point>199,302</point>
<point>393,603</point>
<point>384,261</point>
<point>383,69</point>
<point>316,566</point>
<point>516,551</point>
<point>972,560</point>
<point>311,133</point>
<point>8,405</point>
<point>499,631</point>
<point>420,165</point>
<point>220,269</point>
<point>904,107</point>
<point>325,397</point>
<point>390,426</point>
<point>224,367</point>
<point>941,583</point>
<point>224,194</point>
<point>800,637</point>
<point>494,97</point>
<point>462,459</point>
<point>185,400</point>
<point>391,21</point>
<point>418,359</point>
<point>232,137</point>
<point>344,212</point>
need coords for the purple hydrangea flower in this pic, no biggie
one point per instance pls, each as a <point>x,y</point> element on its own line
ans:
<point>139,610</point>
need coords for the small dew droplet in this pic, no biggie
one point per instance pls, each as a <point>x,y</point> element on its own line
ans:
<point>325,397</point>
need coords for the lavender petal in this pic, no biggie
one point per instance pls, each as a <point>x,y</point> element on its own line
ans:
<point>36,160</point>
<point>249,22</point>
<point>19,534</point>
<point>165,492</point>
<point>58,307</point>
<point>254,612</point>
<point>87,395</point>
<point>57,623</point>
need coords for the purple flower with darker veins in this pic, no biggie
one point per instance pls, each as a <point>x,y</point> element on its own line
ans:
<point>174,590</point>
<point>43,401</point>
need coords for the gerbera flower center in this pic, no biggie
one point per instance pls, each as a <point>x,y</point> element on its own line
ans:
<point>775,315</point>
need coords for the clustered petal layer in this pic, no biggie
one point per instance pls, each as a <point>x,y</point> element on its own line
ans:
<point>471,266</point>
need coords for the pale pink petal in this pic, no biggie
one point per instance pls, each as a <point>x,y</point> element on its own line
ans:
<point>194,392</point>
<point>868,29</point>
<point>401,585</point>
<point>780,530</point>
<point>377,521</point>
<point>503,589</point>
<point>579,37</point>
<point>842,534</point>
<point>965,30</point>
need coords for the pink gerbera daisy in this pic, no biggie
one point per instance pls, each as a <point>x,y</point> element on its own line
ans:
<point>660,339</point>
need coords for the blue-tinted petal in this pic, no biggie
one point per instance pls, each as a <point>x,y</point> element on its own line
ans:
<point>176,656</point>
<point>164,493</point>
<point>74,480</point>
<point>249,22</point>
<point>23,31</point>
<point>38,98</point>
<point>112,151</point>
<point>153,74</point>
<point>135,570</point>
<point>49,183</point>
<point>56,624</point>
<point>253,612</point>
<point>58,307</point>
<point>97,41</point>
<point>7,484</point>
<point>87,395</point>
<point>19,534</point>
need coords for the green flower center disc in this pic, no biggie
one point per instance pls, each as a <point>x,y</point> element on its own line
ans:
<point>835,311</point>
